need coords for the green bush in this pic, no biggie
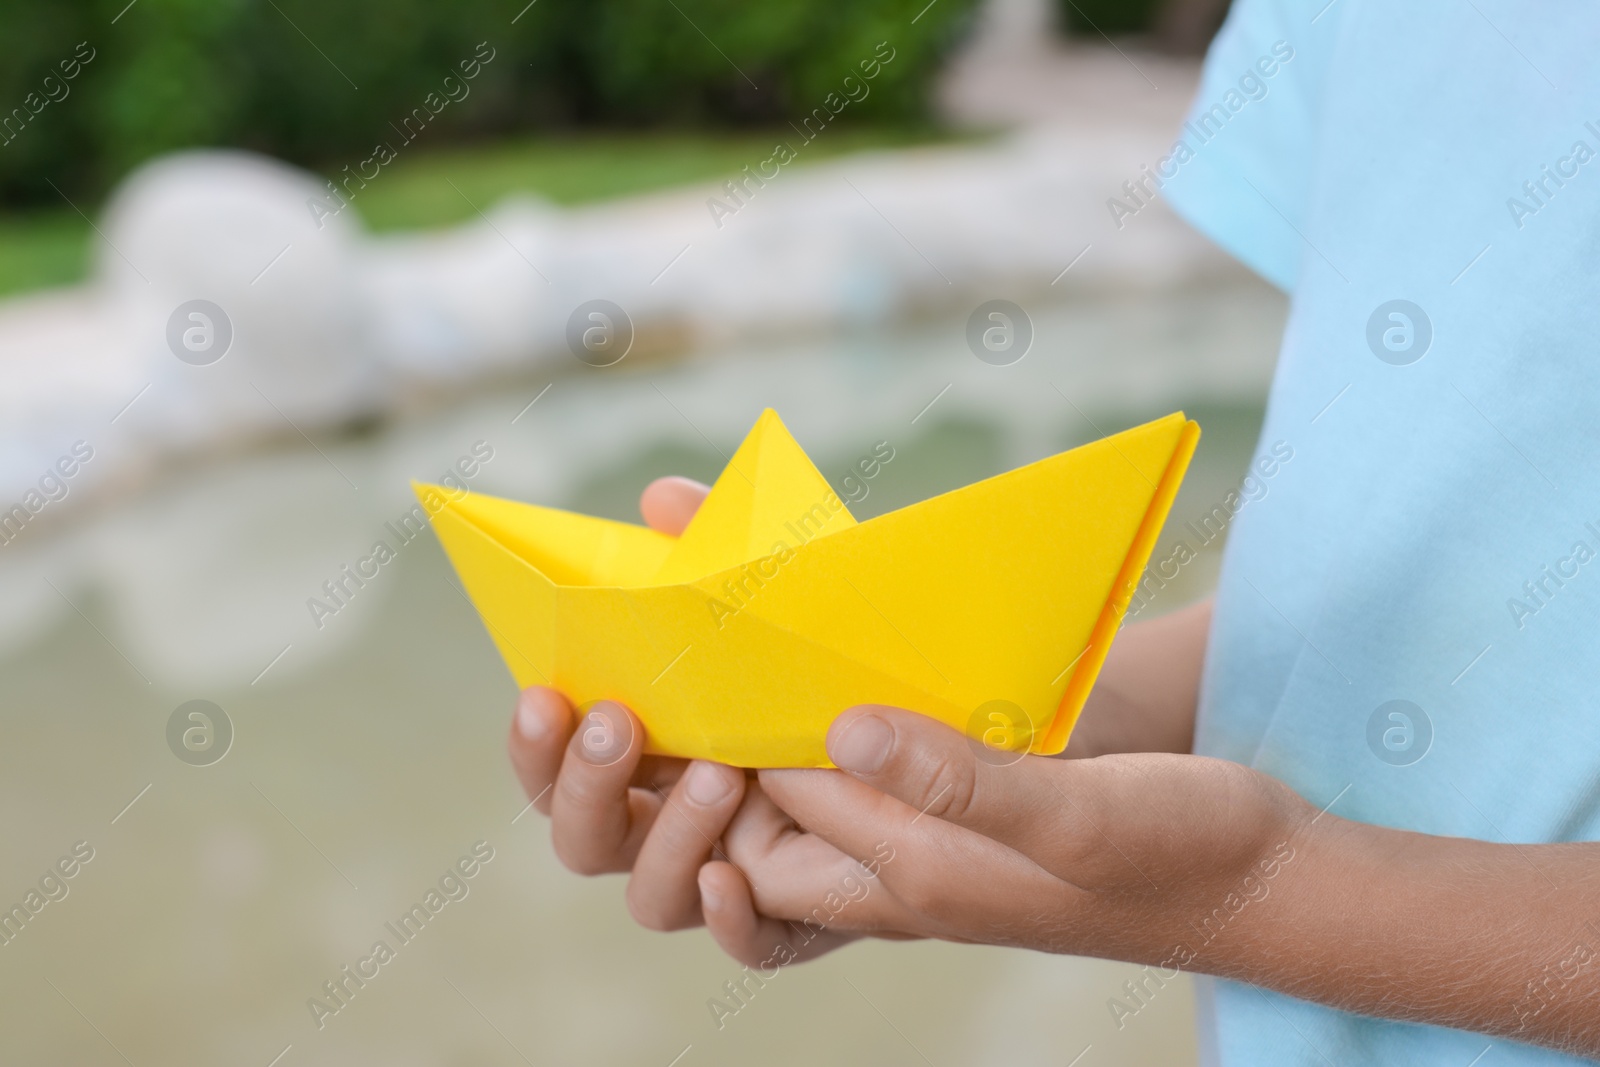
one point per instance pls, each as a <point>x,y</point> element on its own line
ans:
<point>1179,27</point>
<point>1114,18</point>
<point>320,83</point>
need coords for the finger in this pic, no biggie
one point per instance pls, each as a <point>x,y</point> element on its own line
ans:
<point>785,866</point>
<point>598,822</point>
<point>760,943</point>
<point>540,729</point>
<point>1061,815</point>
<point>921,866</point>
<point>539,732</point>
<point>803,878</point>
<point>832,809</point>
<point>659,773</point>
<point>937,771</point>
<point>663,893</point>
<point>668,504</point>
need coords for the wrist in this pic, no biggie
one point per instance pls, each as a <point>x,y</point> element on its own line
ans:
<point>1378,921</point>
<point>1257,888</point>
<point>1324,872</point>
<point>1210,859</point>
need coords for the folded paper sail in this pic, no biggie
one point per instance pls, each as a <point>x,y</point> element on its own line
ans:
<point>990,608</point>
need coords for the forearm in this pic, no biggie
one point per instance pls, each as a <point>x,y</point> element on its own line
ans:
<point>1145,697</point>
<point>1495,938</point>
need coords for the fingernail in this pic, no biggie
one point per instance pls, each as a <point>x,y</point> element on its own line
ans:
<point>604,734</point>
<point>705,784</point>
<point>863,746</point>
<point>710,898</point>
<point>530,724</point>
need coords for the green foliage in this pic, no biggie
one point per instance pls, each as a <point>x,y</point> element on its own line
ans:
<point>320,83</point>
<point>1112,17</point>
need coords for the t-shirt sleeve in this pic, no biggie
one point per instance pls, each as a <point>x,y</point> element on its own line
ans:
<point>1251,134</point>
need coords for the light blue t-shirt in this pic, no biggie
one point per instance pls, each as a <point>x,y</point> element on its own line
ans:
<point>1408,622</point>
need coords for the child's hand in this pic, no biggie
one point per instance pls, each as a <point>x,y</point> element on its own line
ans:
<point>611,808</point>
<point>1115,856</point>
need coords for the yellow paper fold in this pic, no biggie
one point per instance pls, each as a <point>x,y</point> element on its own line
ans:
<point>741,640</point>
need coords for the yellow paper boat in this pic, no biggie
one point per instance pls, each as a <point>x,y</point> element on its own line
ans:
<point>741,640</point>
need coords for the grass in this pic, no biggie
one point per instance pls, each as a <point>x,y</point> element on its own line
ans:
<point>417,192</point>
<point>50,247</point>
<point>42,249</point>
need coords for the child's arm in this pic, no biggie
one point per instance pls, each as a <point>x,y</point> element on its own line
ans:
<point>1178,862</point>
<point>1144,699</point>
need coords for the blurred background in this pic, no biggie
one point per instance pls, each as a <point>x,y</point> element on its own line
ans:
<point>264,261</point>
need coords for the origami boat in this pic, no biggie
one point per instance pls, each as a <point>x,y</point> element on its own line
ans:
<point>741,640</point>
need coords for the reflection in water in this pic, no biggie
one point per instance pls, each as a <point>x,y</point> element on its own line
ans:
<point>366,754</point>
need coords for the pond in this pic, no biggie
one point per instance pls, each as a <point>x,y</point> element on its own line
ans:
<point>366,756</point>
